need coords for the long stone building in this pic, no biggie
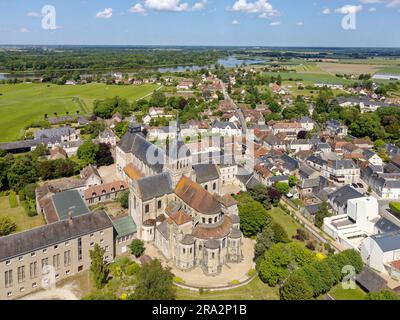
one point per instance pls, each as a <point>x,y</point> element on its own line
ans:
<point>40,257</point>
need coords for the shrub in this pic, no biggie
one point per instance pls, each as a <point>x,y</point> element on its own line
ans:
<point>395,207</point>
<point>178,280</point>
<point>235,282</point>
<point>132,269</point>
<point>301,235</point>
<point>7,226</point>
<point>251,272</point>
<point>137,248</point>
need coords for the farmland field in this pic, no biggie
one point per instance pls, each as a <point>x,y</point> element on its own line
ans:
<point>349,68</point>
<point>21,104</point>
<point>309,78</point>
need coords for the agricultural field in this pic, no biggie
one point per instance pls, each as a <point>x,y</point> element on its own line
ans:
<point>309,78</point>
<point>395,69</point>
<point>21,104</point>
<point>19,215</point>
<point>348,68</point>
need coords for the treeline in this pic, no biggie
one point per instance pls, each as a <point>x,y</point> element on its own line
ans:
<point>37,59</point>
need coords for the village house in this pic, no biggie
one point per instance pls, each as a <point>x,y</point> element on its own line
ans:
<point>104,192</point>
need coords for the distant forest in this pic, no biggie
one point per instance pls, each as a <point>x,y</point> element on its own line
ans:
<point>102,58</point>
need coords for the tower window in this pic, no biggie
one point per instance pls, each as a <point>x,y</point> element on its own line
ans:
<point>214,186</point>
<point>159,204</point>
<point>147,208</point>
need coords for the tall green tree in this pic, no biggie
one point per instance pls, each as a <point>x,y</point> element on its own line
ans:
<point>154,283</point>
<point>98,268</point>
<point>87,152</point>
<point>296,288</point>
<point>322,213</point>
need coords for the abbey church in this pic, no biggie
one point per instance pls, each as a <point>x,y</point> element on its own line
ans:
<point>178,205</point>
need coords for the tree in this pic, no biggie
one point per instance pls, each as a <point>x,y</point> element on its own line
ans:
<point>124,199</point>
<point>282,187</point>
<point>253,217</point>
<point>296,288</point>
<point>265,240</point>
<point>274,195</point>
<point>322,213</point>
<point>137,248</point>
<point>22,172</point>
<point>260,194</point>
<point>382,295</point>
<point>98,268</point>
<point>158,99</point>
<point>87,152</point>
<point>280,234</point>
<point>154,283</point>
<point>104,156</point>
<point>293,181</point>
<point>7,226</point>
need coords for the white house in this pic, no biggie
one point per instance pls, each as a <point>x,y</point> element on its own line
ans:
<point>372,158</point>
<point>225,129</point>
<point>381,252</point>
<point>358,223</point>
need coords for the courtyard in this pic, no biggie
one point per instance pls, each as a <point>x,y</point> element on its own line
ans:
<point>231,272</point>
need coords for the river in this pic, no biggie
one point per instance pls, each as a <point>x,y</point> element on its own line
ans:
<point>229,62</point>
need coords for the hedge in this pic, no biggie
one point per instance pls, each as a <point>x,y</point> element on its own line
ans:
<point>395,206</point>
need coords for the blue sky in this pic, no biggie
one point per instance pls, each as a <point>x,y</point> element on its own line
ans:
<point>203,22</point>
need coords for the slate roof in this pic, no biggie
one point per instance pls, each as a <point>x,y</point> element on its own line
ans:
<point>155,186</point>
<point>317,160</point>
<point>141,148</point>
<point>370,280</point>
<point>22,243</point>
<point>67,201</point>
<point>312,209</point>
<point>163,229</point>
<point>388,241</point>
<point>206,172</point>
<point>212,244</point>
<point>307,171</point>
<point>188,240</point>
<point>224,124</point>
<point>197,197</point>
<point>385,226</point>
<point>342,195</point>
<point>235,234</point>
<point>54,132</point>
<point>342,164</point>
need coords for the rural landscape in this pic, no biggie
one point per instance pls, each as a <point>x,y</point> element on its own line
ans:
<point>256,170</point>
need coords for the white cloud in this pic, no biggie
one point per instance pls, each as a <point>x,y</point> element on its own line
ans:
<point>370,1</point>
<point>393,4</point>
<point>372,9</point>
<point>199,5</point>
<point>235,22</point>
<point>261,7</point>
<point>300,23</point>
<point>33,14</point>
<point>166,5</point>
<point>24,30</point>
<point>275,23</point>
<point>138,8</point>
<point>349,9</point>
<point>326,11</point>
<point>106,14</point>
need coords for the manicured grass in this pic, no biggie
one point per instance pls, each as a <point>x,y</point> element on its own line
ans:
<point>255,290</point>
<point>21,104</point>
<point>286,221</point>
<point>19,215</point>
<point>338,293</point>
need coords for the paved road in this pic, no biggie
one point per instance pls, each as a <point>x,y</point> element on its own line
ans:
<point>238,110</point>
<point>311,228</point>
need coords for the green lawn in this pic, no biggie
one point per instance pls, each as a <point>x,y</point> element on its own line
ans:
<point>23,103</point>
<point>286,221</point>
<point>338,293</point>
<point>255,290</point>
<point>19,215</point>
